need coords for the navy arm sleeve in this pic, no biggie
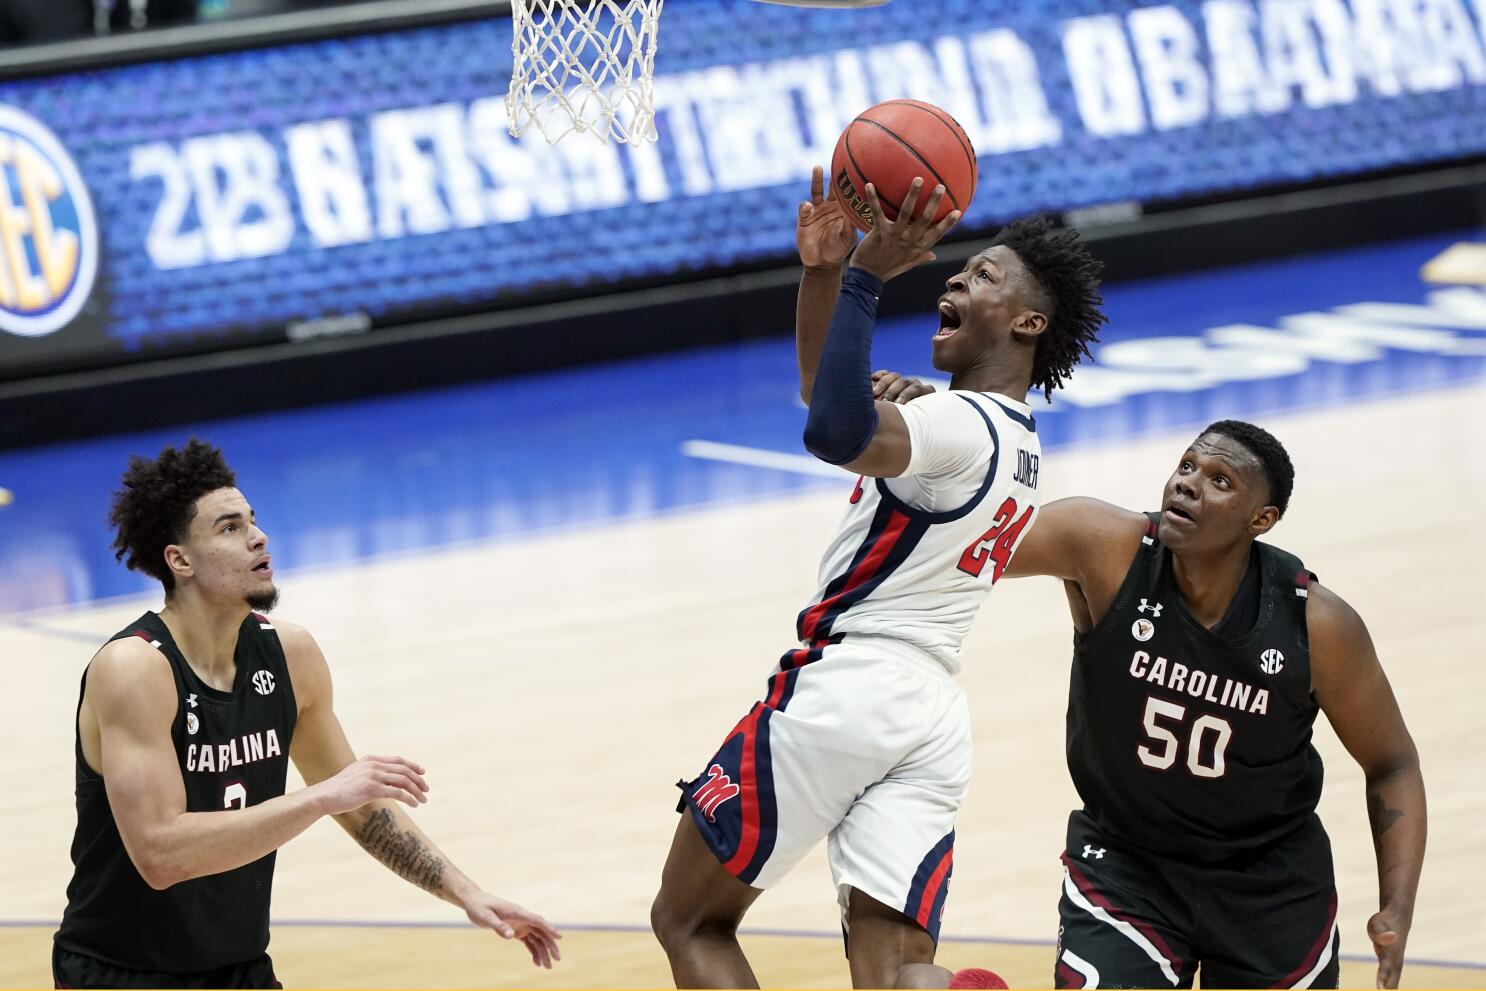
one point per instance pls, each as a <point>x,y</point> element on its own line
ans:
<point>843,414</point>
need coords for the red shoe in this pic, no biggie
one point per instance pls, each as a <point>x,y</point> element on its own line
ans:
<point>976,977</point>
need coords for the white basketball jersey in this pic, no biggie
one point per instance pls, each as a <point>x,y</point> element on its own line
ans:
<point>916,555</point>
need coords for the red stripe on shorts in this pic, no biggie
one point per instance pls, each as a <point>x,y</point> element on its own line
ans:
<point>748,783</point>
<point>1142,927</point>
<point>931,887</point>
<point>1068,977</point>
<point>1288,981</point>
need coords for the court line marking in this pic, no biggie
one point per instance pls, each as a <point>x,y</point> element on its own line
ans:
<point>605,927</point>
<point>52,631</point>
<point>760,457</point>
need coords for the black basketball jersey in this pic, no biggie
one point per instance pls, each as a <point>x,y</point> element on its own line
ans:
<point>1186,743</point>
<point>233,749</point>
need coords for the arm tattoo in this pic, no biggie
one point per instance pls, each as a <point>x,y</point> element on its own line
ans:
<point>404,853</point>
<point>1380,815</point>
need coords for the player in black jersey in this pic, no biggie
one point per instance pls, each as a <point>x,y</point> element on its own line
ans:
<point>1201,657</point>
<point>186,720</point>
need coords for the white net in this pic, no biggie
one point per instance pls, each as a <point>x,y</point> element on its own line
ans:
<point>585,66</point>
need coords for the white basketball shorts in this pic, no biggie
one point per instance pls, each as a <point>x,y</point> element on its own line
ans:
<point>866,742</point>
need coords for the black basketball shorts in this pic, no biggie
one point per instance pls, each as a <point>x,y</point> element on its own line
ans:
<point>77,970</point>
<point>1133,919</point>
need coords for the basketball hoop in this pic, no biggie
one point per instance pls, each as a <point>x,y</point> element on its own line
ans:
<point>585,66</point>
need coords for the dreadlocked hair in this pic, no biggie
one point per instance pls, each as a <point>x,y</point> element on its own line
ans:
<point>1067,278</point>
<point>1268,451</point>
<point>157,502</point>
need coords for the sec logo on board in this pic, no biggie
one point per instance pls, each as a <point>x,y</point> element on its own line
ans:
<point>48,233</point>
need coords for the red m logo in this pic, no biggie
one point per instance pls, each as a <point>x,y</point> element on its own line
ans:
<point>717,789</point>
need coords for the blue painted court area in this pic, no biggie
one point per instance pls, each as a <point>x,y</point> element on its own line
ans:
<point>511,458</point>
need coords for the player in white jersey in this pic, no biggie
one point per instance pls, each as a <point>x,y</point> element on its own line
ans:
<point>910,561</point>
<point>863,737</point>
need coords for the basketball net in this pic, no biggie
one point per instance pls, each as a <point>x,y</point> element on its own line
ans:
<point>585,66</point>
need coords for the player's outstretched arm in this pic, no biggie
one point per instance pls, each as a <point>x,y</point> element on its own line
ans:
<point>321,752</point>
<point>1072,536</point>
<point>824,237</point>
<point>1353,691</point>
<point>132,698</point>
<point>846,426</point>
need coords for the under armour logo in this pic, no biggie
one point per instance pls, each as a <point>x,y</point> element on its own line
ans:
<point>190,701</point>
<point>262,682</point>
<point>718,789</point>
<point>1271,661</point>
<point>1089,851</point>
<point>1155,610</point>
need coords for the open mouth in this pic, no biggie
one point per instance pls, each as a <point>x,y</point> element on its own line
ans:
<point>949,320</point>
<point>264,567</point>
<point>1180,515</point>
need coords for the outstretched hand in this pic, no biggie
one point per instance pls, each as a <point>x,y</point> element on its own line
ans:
<point>823,234</point>
<point>510,921</point>
<point>895,246</point>
<point>371,778</point>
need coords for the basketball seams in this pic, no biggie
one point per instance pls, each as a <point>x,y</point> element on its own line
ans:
<point>860,179</point>
<point>944,117</point>
<point>929,155</point>
<point>954,201</point>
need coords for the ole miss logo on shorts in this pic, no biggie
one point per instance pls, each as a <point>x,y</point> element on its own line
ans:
<point>48,234</point>
<point>718,788</point>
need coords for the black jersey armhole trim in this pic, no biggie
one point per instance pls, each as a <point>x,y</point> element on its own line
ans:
<point>1149,545</point>
<point>272,633</point>
<point>949,516</point>
<point>1291,586</point>
<point>84,773</point>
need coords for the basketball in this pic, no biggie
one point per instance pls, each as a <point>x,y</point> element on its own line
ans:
<point>891,144</point>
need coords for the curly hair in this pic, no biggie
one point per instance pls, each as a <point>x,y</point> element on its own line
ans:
<point>1269,452</point>
<point>1067,278</point>
<point>157,502</point>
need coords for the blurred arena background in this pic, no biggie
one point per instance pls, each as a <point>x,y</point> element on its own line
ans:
<point>521,420</point>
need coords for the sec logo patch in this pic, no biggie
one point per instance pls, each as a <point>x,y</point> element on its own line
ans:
<point>48,232</point>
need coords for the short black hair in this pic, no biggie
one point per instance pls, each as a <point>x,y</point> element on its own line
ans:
<point>157,502</point>
<point>1068,279</point>
<point>1269,452</point>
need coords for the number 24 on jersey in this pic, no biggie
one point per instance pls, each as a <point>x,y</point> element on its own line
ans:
<point>998,543</point>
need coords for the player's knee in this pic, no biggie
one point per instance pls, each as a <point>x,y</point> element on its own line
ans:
<point>669,920</point>
<point>676,922</point>
<point>921,975</point>
<point>661,918</point>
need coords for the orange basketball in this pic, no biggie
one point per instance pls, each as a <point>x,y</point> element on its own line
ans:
<point>893,143</point>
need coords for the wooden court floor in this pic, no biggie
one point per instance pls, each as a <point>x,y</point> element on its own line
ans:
<point>556,688</point>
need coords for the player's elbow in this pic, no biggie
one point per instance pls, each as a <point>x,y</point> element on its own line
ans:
<point>827,447</point>
<point>157,864</point>
<point>1402,761</point>
<point>836,442</point>
<point>160,882</point>
<point>816,441</point>
<point>158,874</point>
